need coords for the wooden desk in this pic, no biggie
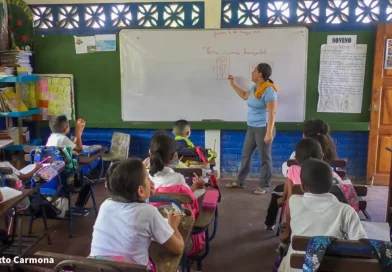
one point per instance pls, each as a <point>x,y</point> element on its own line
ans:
<point>389,201</point>
<point>9,204</point>
<point>164,260</point>
<point>206,215</point>
<point>90,159</point>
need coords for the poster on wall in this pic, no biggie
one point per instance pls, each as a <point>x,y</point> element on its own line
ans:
<point>53,94</point>
<point>341,78</point>
<point>388,54</point>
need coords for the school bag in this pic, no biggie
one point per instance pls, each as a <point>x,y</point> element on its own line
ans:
<point>318,246</point>
<point>198,240</point>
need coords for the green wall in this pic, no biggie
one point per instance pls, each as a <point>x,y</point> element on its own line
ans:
<point>97,84</point>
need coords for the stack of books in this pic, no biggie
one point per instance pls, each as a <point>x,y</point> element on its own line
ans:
<point>9,101</point>
<point>11,61</point>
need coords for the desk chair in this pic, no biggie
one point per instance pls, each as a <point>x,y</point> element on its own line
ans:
<point>24,243</point>
<point>79,264</point>
<point>64,187</point>
<point>341,256</point>
<point>199,257</point>
<point>119,149</point>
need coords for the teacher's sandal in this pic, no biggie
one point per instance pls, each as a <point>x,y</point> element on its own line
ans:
<point>260,191</point>
<point>235,185</point>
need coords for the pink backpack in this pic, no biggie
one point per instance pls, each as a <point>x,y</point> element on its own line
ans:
<point>198,240</point>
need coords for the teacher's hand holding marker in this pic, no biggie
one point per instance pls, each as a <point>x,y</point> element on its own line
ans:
<point>262,102</point>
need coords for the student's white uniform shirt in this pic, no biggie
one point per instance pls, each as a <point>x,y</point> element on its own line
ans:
<point>60,140</point>
<point>285,167</point>
<point>126,229</point>
<point>321,215</point>
<point>167,177</point>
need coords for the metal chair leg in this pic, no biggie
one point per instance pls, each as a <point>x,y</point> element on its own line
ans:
<point>31,224</point>
<point>46,226</point>
<point>367,215</point>
<point>69,215</point>
<point>93,198</point>
<point>18,219</point>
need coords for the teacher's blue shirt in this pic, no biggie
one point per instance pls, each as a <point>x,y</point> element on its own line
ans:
<point>257,108</point>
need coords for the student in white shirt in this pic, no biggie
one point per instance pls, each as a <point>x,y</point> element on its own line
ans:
<point>163,151</point>
<point>126,224</point>
<point>60,128</point>
<point>317,212</point>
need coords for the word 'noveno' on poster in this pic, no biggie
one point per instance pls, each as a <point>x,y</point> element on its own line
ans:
<point>341,39</point>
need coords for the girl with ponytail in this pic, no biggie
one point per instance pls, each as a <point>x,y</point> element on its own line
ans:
<point>163,151</point>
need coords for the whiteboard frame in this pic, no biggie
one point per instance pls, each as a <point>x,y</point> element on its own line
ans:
<point>226,29</point>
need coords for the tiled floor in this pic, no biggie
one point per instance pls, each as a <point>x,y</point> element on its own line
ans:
<point>241,244</point>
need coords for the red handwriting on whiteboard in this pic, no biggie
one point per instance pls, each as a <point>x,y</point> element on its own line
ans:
<point>235,32</point>
<point>219,33</point>
<point>209,51</point>
<point>255,53</point>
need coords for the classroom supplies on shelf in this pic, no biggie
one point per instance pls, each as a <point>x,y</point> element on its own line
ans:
<point>10,101</point>
<point>14,134</point>
<point>14,60</point>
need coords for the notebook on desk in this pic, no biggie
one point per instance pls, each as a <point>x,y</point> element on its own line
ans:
<point>9,193</point>
<point>30,168</point>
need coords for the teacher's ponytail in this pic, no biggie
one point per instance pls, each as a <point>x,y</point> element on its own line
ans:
<point>266,71</point>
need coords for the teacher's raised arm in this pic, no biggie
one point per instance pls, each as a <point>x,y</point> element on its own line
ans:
<point>262,103</point>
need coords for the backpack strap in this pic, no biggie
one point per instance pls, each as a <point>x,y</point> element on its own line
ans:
<point>39,153</point>
<point>315,251</point>
<point>383,251</point>
<point>73,164</point>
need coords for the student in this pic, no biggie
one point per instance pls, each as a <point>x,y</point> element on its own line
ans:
<point>60,128</point>
<point>163,151</point>
<point>175,162</point>
<point>126,224</point>
<point>317,212</point>
<point>320,131</point>
<point>14,179</point>
<point>182,132</point>
<point>305,149</point>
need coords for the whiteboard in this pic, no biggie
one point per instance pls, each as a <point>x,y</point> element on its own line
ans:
<point>182,74</point>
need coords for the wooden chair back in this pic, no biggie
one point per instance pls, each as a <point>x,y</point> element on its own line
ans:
<point>77,263</point>
<point>342,256</point>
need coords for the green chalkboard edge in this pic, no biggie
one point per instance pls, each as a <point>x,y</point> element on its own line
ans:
<point>335,126</point>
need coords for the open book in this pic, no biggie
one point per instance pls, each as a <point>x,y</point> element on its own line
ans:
<point>9,193</point>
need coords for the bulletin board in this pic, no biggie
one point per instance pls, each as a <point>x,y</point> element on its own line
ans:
<point>53,94</point>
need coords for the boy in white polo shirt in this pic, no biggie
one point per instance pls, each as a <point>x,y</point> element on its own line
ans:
<point>59,126</point>
<point>318,212</point>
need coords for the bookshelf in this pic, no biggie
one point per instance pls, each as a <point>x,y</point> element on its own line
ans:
<point>19,114</point>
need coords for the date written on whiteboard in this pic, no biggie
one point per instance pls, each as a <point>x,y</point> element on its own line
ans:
<point>342,39</point>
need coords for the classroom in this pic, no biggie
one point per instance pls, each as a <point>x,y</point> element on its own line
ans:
<point>193,120</point>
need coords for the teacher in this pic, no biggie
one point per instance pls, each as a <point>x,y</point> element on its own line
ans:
<point>262,100</point>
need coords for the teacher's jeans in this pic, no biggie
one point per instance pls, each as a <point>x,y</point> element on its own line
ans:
<point>255,138</point>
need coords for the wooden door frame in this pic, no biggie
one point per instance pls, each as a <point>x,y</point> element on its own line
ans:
<point>376,105</point>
